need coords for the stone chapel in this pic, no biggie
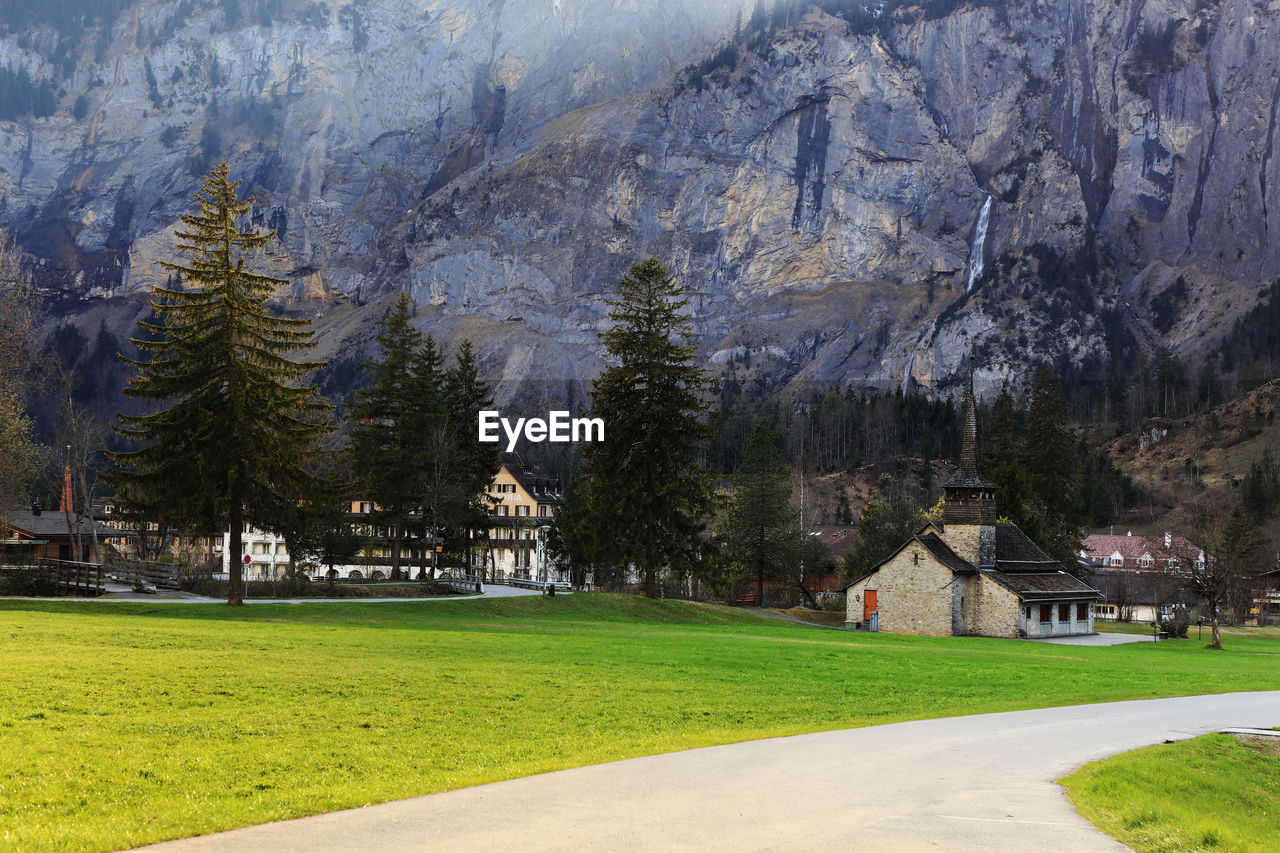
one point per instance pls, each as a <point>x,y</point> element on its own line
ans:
<point>970,574</point>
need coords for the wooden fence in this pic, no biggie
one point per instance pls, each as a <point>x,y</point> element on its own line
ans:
<point>140,573</point>
<point>74,578</point>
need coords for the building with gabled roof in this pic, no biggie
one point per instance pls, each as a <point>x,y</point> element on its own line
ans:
<point>37,534</point>
<point>969,574</point>
<point>1173,554</point>
<point>523,501</point>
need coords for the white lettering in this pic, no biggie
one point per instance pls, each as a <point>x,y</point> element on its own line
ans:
<point>488,426</point>
<point>559,426</point>
<point>513,435</point>
<point>587,425</point>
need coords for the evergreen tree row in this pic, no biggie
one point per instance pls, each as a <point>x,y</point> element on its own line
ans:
<point>414,447</point>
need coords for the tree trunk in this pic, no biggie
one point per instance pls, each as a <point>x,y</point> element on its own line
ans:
<point>435,555</point>
<point>1215,642</point>
<point>467,563</point>
<point>808,596</point>
<point>760,570</point>
<point>235,572</point>
<point>396,533</point>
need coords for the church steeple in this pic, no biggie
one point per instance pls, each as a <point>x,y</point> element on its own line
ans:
<point>969,499</point>
<point>969,447</point>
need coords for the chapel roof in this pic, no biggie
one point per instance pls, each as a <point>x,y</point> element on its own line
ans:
<point>1044,586</point>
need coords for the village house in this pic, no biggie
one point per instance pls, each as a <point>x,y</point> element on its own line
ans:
<point>1141,577</point>
<point>1169,553</point>
<point>970,574</point>
<point>1266,602</point>
<point>523,502</point>
<point>36,534</point>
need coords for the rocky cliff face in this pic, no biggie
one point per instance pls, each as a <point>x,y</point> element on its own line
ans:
<point>860,203</point>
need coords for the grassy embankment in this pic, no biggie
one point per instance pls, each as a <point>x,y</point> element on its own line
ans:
<point>125,723</point>
<point>1212,793</point>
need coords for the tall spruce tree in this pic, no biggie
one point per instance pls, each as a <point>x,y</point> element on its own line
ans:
<point>466,395</point>
<point>1001,461</point>
<point>390,423</point>
<point>232,425</point>
<point>646,482</point>
<point>1051,471</point>
<point>760,529</point>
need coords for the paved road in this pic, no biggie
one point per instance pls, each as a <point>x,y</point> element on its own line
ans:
<point>1107,639</point>
<point>979,783</point>
<point>126,594</point>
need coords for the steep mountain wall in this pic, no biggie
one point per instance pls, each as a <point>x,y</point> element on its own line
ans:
<point>863,203</point>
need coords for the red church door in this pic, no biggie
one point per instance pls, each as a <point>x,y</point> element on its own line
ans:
<point>868,604</point>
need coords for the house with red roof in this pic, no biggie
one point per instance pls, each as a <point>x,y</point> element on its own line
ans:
<point>1140,577</point>
<point>1168,553</point>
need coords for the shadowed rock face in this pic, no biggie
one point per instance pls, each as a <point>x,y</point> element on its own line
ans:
<point>819,195</point>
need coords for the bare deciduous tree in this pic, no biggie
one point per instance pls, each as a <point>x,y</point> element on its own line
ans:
<point>1232,558</point>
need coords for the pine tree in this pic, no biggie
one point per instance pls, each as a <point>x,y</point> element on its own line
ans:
<point>466,395</point>
<point>439,483</point>
<point>1002,453</point>
<point>646,482</point>
<point>760,527</point>
<point>888,519</point>
<point>573,541</point>
<point>389,426</point>
<point>1051,469</point>
<point>232,425</point>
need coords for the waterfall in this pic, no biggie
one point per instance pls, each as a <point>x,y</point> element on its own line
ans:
<point>979,245</point>
<point>906,374</point>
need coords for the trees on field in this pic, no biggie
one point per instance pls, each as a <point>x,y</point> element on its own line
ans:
<point>474,461</point>
<point>19,457</point>
<point>1033,457</point>
<point>1052,470</point>
<point>1233,557</point>
<point>414,445</point>
<point>647,484</point>
<point>760,529</point>
<point>889,518</point>
<point>231,423</point>
<point>389,421</point>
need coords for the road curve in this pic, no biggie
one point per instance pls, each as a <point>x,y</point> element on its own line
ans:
<point>978,783</point>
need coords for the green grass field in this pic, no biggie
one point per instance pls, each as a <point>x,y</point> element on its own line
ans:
<point>125,723</point>
<point>1208,794</point>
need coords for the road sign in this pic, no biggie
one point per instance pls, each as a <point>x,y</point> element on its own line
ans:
<point>246,559</point>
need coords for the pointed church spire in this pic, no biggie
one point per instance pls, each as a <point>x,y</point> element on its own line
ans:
<point>969,477</point>
<point>969,447</point>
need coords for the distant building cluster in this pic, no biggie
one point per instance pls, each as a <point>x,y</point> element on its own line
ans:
<point>523,502</point>
<point>1142,577</point>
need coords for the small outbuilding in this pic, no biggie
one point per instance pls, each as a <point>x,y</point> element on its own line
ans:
<point>970,574</point>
